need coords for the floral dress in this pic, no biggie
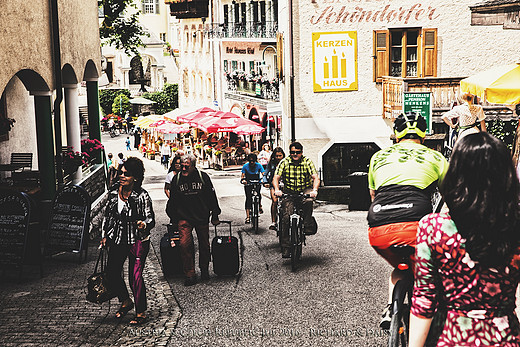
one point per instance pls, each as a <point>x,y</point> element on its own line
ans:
<point>472,305</point>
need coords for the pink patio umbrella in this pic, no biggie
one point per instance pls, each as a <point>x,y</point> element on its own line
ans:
<point>248,129</point>
<point>172,128</point>
<point>193,118</point>
<point>227,123</point>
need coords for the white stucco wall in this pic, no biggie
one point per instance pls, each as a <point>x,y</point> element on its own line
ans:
<point>462,50</point>
<point>22,137</point>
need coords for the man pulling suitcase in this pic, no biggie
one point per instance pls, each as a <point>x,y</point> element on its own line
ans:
<point>192,202</point>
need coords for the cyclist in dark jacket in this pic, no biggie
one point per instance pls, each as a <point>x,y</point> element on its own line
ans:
<point>276,157</point>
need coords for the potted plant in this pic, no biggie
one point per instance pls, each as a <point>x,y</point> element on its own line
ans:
<point>91,148</point>
<point>71,161</point>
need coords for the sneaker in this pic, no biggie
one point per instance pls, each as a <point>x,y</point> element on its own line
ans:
<point>286,253</point>
<point>386,317</point>
<point>204,275</point>
<point>189,281</point>
<point>248,220</point>
<point>272,226</point>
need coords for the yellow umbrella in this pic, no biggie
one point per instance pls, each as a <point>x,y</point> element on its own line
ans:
<point>144,122</point>
<point>499,85</point>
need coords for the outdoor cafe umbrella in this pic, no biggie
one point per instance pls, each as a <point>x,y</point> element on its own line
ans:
<point>227,123</point>
<point>499,85</point>
<point>145,121</point>
<point>141,101</point>
<point>192,118</point>
<point>172,128</point>
<point>248,129</point>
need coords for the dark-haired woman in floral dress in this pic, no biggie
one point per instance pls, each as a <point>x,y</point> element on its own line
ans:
<point>468,260</point>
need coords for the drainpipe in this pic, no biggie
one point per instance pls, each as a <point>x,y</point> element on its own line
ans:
<point>291,72</point>
<point>58,86</point>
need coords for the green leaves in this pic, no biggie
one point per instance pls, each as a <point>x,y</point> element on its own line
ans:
<point>119,29</point>
<point>167,99</point>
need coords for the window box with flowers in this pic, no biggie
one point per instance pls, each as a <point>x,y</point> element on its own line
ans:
<point>91,149</point>
<point>71,161</point>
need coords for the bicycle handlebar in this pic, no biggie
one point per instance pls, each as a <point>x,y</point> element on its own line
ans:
<point>298,195</point>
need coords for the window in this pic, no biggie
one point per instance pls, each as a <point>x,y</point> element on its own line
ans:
<point>226,15</point>
<point>342,159</point>
<point>252,66</point>
<point>405,53</point>
<point>243,9</point>
<point>162,36</point>
<point>185,82</point>
<point>151,6</point>
<point>254,4</point>
<point>225,66</point>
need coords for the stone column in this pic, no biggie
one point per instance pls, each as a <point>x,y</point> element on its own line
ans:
<point>45,142</point>
<point>73,122</point>
<point>125,82</point>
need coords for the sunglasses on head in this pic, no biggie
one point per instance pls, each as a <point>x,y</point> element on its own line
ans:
<point>295,152</point>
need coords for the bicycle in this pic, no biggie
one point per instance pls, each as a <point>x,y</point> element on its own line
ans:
<point>255,206</point>
<point>114,132</point>
<point>296,227</point>
<point>399,325</point>
<point>400,309</point>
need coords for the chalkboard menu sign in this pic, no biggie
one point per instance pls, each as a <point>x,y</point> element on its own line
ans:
<point>95,183</point>
<point>70,219</point>
<point>15,212</point>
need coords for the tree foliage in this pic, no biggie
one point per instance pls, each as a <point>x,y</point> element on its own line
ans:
<point>119,29</point>
<point>121,105</point>
<point>504,130</point>
<point>166,100</point>
<point>107,96</point>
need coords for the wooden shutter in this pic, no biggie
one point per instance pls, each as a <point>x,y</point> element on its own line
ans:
<point>381,57</point>
<point>156,6</point>
<point>429,53</point>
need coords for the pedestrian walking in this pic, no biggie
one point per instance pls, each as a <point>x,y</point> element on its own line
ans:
<point>165,153</point>
<point>127,143</point>
<point>264,155</point>
<point>468,259</point>
<point>175,168</point>
<point>191,204</point>
<point>137,137</point>
<point>128,220</point>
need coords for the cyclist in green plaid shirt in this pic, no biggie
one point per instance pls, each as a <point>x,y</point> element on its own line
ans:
<point>298,175</point>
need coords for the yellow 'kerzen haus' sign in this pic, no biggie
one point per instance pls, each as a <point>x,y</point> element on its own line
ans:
<point>334,58</point>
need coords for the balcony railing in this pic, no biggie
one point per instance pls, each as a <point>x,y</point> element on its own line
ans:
<point>242,30</point>
<point>444,92</point>
<point>266,91</point>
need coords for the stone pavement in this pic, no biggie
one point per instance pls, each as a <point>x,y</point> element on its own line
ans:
<point>53,311</point>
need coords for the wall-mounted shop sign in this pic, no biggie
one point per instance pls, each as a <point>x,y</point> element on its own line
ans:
<point>236,50</point>
<point>334,57</point>
<point>419,102</point>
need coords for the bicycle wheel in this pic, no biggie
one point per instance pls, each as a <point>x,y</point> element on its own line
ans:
<point>399,329</point>
<point>294,244</point>
<point>254,215</point>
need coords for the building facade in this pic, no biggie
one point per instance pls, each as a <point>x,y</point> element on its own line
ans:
<point>351,60</point>
<point>40,77</point>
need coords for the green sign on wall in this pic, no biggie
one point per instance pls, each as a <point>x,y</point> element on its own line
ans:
<point>420,102</point>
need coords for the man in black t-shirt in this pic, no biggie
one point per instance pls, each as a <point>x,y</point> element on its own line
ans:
<point>192,202</point>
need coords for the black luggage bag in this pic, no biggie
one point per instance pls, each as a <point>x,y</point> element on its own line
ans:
<point>225,253</point>
<point>171,256</point>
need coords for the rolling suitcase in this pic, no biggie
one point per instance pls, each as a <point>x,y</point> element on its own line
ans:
<point>225,253</point>
<point>171,256</point>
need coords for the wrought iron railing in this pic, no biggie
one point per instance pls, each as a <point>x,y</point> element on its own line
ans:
<point>241,30</point>
<point>266,91</point>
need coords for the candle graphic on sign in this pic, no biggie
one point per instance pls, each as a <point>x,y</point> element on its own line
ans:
<point>343,66</point>
<point>334,65</point>
<point>326,69</point>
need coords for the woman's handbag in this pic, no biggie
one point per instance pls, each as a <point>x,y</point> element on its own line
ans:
<point>97,287</point>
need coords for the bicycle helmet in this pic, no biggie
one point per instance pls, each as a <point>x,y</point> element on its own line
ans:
<point>408,124</point>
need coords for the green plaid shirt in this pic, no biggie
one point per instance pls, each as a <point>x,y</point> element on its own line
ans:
<point>296,176</point>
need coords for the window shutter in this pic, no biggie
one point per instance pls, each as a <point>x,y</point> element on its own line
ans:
<point>381,58</point>
<point>156,6</point>
<point>429,53</point>
<point>143,6</point>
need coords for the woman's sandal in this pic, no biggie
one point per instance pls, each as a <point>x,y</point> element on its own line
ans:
<point>138,320</point>
<point>123,310</point>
